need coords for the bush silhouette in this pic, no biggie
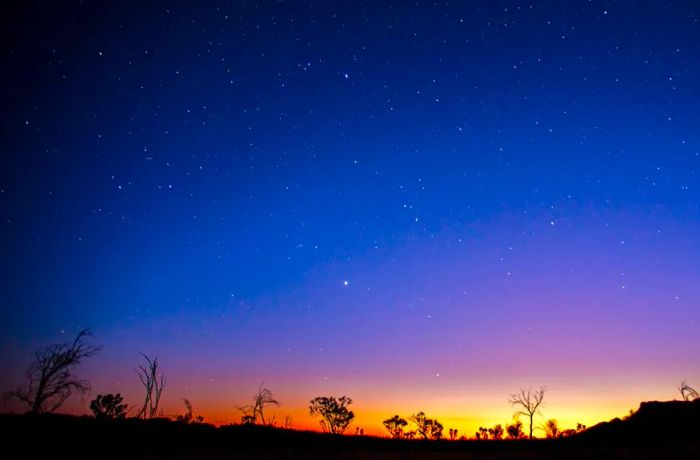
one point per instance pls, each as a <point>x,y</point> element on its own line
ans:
<point>108,407</point>
<point>496,432</point>
<point>453,433</point>
<point>426,427</point>
<point>334,413</point>
<point>395,426</point>
<point>551,429</point>
<point>515,430</point>
<point>189,416</point>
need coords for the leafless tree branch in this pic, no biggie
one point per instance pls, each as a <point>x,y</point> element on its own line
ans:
<point>51,378</point>
<point>529,401</point>
<point>153,384</point>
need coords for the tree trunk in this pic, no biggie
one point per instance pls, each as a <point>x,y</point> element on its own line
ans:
<point>39,395</point>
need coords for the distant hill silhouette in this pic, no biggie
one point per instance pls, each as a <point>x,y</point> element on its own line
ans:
<point>654,422</point>
<point>656,430</point>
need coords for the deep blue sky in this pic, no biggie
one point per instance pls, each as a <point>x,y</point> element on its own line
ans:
<point>182,158</point>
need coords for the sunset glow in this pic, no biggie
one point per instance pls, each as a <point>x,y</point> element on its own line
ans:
<point>424,207</point>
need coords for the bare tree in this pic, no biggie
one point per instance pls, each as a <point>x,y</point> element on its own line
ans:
<point>530,402</point>
<point>51,377</point>
<point>153,384</point>
<point>687,392</point>
<point>252,412</point>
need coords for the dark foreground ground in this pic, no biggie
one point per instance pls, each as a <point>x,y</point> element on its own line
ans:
<point>666,430</point>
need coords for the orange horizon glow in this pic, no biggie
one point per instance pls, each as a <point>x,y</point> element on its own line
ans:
<point>465,407</point>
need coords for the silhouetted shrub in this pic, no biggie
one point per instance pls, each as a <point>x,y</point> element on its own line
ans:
<point>496,432</point>
<point>453,433</point>
<point>426,427</point>
<point>189,416</point>
<point>551,429</point>
<point>395,426</point>
<point>108,407</point>
<point>515,430</point>
<point>334,412</point>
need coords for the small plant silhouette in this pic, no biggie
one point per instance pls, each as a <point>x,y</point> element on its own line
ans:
<point>335,416</point>
<point>572,431</point>
<point>189,416</point>
<point>496,432</point>
<point>255,411</point>
<point>108,407</point>
<point>515,430</point>
<point>247,420</point>
<point>551,429</point>
<point>688,393</point>
<point>453,433</point>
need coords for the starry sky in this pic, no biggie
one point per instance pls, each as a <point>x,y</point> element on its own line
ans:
<point>422,205</point>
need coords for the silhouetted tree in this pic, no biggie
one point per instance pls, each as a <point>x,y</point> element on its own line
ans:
<point>189,416</point>
<point>108,407</point>
<point>482,433</point>
<point>687,392</point>
<point>551,429</point>
<point>261,399</point>
<point>395,426</point>
<point>426,427</point>
<point>288,424</point>
<point>51,378</point>
<point>334,413</point>
<point>496,432</point>
<point>359,431</point>
<point>515,430</point>
<point>453,434</point>
<point>153,384</point>
<point>530,401</point>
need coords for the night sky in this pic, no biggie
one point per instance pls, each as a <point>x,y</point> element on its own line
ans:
<point>424,205</point>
